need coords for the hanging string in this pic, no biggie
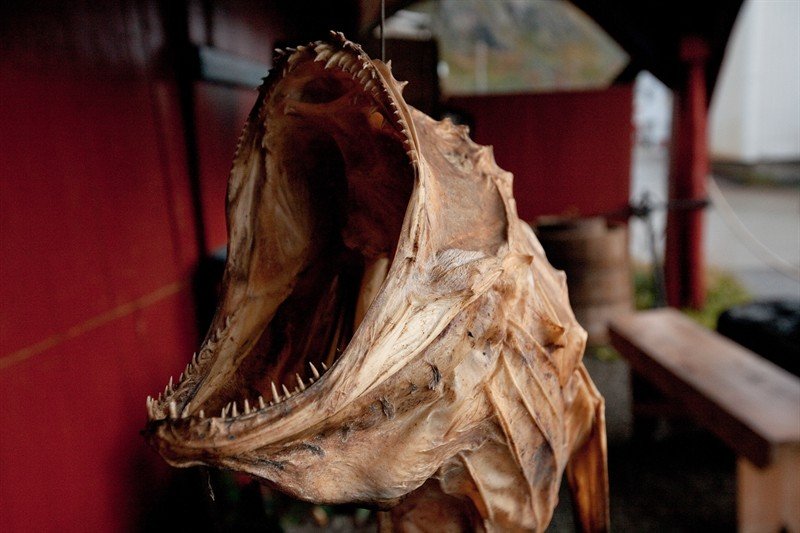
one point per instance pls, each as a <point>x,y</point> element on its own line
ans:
<point>383,39</point>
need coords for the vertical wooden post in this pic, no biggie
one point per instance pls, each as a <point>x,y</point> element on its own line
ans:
<point>684,264</point>
<point>769,498</point>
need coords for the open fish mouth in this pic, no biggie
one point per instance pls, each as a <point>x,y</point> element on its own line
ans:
<point>390,332</point>
<point>342,272</point>
<point>317,199</point>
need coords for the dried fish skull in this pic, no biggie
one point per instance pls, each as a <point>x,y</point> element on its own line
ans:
<point>390,333</point>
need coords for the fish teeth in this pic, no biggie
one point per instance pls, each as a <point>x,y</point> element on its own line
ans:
<point>332,61</point>
<point>292,61</point>
<point>324,54</point>
<point>363,76</point>
<point>352,68</point>
<point>275,394</point>
<point>232,409</point>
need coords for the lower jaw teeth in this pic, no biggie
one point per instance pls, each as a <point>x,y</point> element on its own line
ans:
<point>232,409</point>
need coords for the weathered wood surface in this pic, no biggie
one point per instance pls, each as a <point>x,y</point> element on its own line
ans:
<point>748,402</point>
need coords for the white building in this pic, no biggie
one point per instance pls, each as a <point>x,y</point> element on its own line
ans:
<point>755,110</point>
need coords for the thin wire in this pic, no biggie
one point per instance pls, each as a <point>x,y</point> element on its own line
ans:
<point>735,224</point>
<point>383,22</point>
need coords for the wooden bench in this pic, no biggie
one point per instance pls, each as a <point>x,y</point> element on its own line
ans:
<point>749,403</point>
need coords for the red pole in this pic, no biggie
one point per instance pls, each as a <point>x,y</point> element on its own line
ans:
<point>684,265</point>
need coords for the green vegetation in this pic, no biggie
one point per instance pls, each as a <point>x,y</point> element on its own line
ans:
<point>724,292</point>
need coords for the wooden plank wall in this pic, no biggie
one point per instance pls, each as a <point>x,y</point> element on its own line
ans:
<point>98,245</point>
<point>570,152</point>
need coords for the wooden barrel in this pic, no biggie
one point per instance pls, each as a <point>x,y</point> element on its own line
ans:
<point>594,255</point>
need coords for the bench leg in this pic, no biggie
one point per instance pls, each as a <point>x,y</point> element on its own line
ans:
<point>769,498</point>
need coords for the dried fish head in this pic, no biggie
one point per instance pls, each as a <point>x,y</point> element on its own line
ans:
<point>390,332</point>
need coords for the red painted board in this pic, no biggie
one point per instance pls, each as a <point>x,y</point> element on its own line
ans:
<point>71,457</point>
<point>570,152</point>
<point>87,218</point>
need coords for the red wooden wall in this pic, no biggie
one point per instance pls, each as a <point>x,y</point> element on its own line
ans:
<point>570,152</point>
<point>98,247</point>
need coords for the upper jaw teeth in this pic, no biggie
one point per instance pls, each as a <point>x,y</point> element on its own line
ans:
<point>155,407</point>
